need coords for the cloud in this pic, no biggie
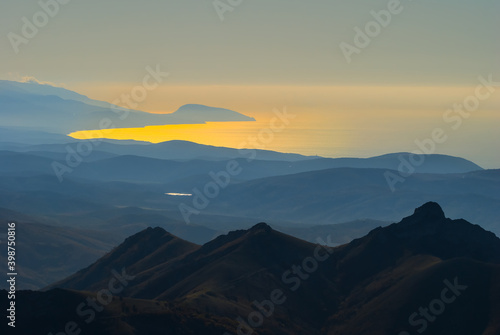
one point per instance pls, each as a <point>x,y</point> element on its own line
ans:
<point>32,80</point>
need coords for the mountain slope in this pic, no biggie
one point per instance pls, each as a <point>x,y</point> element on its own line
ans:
<point>44,90</point>
<point>408,265</point>
<point>200,113</point>
<point>53,109</point>
<point>372,285</point>
<point>48,253</point>
<point>59,310</point>
<point>141,251</point>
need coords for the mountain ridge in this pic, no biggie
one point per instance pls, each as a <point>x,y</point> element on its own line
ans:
<point>372,285</point>
<point>38,107</point>
<point>194,112</point>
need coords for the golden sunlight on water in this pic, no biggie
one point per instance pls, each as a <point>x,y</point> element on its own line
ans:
<point>299,138</point>
<point>330,121</point>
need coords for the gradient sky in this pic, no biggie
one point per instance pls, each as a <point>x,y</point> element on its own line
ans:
<point>275,53</point>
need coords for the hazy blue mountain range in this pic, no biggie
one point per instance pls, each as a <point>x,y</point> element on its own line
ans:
<point>346,194</point>
<point>54,109</point>
<point>20,137</point>
<point>287,163</point>
<point>171,150</point>
<point>36,89</point>
<point>125,194</point>
<point>263,189</point>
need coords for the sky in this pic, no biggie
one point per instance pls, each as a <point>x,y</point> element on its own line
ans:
<point>353,94</point>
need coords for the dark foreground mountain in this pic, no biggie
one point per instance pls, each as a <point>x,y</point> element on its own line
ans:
<point>426,274</point>
<point>140,252</point>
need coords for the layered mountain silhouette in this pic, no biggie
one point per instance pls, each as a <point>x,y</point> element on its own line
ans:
<point>426,273</point>
<point>58,110</point>
<point>265,164</point>
<point>346,194</point>
<point>117,188</point>
<point>195,112</point>
<point>36,89</point>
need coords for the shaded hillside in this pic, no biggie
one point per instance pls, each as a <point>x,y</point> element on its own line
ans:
<point>370,286</point>
<point>53,311</point>
<point>139,252</point>
<point>47,253</point>
<point>407,265</point>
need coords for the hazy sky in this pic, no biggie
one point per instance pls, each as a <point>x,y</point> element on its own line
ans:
<point>445,42</point>
<point>266,54</point>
